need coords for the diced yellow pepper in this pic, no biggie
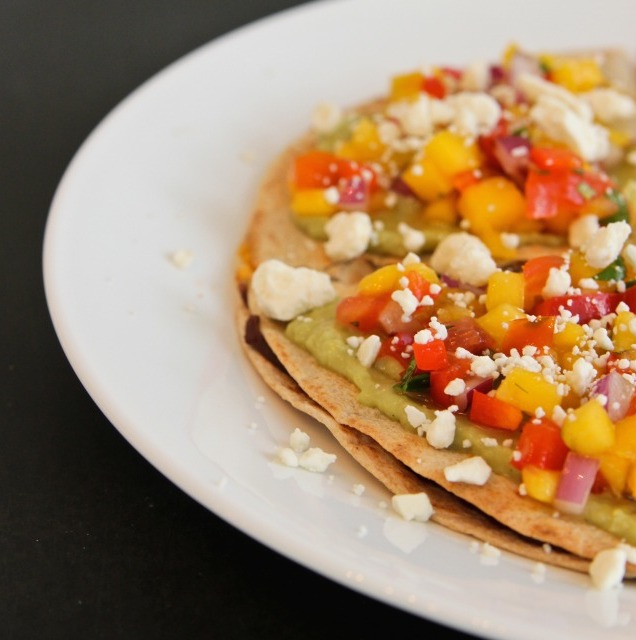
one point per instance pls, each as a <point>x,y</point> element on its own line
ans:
<point>588,429</point>
<point>453,153</point>
<point>624,332</point>
<point>505,287</point>
<point>387,278</point>
<point>312,202</point>
<point>529,391</point>
<point>540,484</point>
<point>406,86</point>
<point>614,469</point>
<point>364,145</point>
<point>496,321</point>
<point>426,180</point>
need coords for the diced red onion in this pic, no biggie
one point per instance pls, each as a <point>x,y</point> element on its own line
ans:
<point>456,284</point>
<point>473,383</point>
<point>575,485</point>
<point>618,392</point>
<point>402,189</point>
<point>354,192</point>
<point>513,154</point>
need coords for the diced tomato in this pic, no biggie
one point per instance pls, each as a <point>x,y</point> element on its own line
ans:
<point>362,311</point>
<point>523,332</point>
<point>396,347</point>
<point>535,275</point>
<point>434,87</point>
<point>321,169</point>
<point>558,184</point>
<point>555,159</point>
<point>541,445</point>
<point>486,142</point>
<point>629,298</point>
<point>418,284</point>
<point>588,306</point>
<point>494,412</point>
<point>430,356</point>
<point>466,333</point>
<point>457,368</point>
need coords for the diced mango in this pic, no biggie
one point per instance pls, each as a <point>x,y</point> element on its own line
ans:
<point>540,484</point>
<point>406,86</point>
<point>625,438</point>
<point>493,203</point>
<point>496,320</point>
<point>570,336</point>
<point>624,332</point>
<point>312,202</point>
<point>588,429</point>
<point>442,210</point>
<point>529,391</point>
<point>453,153</point>
<point>426,180</point>
<point>364,145</point>
<point>630,483</point>
<point>579,268</point>
<point>614,469</point>
<point>387,278</point>
<point>505,287</point>
<point>576,74</point>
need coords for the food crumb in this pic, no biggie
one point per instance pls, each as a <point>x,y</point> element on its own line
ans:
<point>489,554</point>
<point>538,572</point>
<point>182,258</point>
<point>358,489</point>
<point>362,531</point>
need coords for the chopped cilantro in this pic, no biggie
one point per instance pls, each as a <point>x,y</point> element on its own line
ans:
<point>413,379</point>
<point>586,190</point>
<point>615,271</point>
<point>622,210</point>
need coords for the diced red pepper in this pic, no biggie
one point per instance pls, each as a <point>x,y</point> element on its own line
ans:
<point>588,306</point>
<point>494,412</point>
<point>540,444</point>
<point>430,356</point>
<point>555,159</point>
<point>321,169</point>
<point>523,332</point>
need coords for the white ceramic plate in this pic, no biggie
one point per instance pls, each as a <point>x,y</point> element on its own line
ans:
<point>175,167</point>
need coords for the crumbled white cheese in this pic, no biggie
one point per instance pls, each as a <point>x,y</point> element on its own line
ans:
<point>606,244</point>
<point>610,105</point>
<point>349,234</point>
<point>299,440</point>
<point>607,569</point>
<point>407,300</point>
<point>489,554</point>
<point>476,76</point>
<point>182,258</point>
<point>440,433</point>
<point>557,284</point>
<point>413,506</point>
<point>559,122</point>
<point>629,253</point>
<point>464,257</point>
<point>580,376</point>
<point>282,292</point>
<point>415,416</point>
<point>455,387</point>
<point>413,239</point>
<point>582,229</point>
<point>475,112</point>
<point>315,459</point>
<point>358,489</point>
<point>483,366</point>
<point>325,117</point>
<point>368,350</point>
<point>535,87</point>
<point>474,470</point>
<point>288,457</point>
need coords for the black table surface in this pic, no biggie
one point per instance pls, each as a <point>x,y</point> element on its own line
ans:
<point>94,541</point>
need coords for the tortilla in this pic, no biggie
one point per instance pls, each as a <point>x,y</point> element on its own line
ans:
<point>403,461</point>
<point>450,511</point>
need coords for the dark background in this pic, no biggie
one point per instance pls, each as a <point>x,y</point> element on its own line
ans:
<point>95,542</point>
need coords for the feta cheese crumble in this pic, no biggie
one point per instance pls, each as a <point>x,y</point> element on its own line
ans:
<point>413,506</point>
<point>474,470</point>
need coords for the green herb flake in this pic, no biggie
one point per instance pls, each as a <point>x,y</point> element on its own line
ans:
<point>413,379</point>
<point>615,271</point>
<point>622,210</point>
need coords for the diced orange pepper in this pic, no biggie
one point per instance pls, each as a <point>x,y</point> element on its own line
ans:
<point>524,332</point>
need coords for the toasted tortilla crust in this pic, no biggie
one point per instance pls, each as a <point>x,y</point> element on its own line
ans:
<point>332,400</point>
<point>450,511</point>
<point>401,460</point>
